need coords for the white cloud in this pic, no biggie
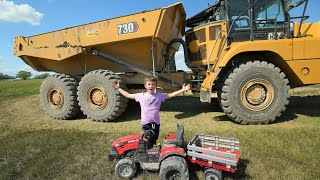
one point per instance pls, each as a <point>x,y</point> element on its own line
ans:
<point>19,13</point>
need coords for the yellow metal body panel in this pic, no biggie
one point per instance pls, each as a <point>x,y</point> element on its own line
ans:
<point>308,46</point>
<point>282,47</point>
<point>130,38</point>
<point>307,70</point>
<point>307,29</point>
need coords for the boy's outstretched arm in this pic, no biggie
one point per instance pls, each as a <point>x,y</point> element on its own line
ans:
<point>176,93</point>
<point>123,92</point>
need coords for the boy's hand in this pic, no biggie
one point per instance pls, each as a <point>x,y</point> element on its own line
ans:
<point>116,84</point>
<point>186,87</point>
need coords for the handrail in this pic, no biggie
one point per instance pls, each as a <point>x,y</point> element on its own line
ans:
<point>215,43</point>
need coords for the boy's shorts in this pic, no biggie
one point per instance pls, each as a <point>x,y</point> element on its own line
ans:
<point>155,129</point>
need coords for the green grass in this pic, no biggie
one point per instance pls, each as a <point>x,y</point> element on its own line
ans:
<point>33,146</point>
<point>11,89</point>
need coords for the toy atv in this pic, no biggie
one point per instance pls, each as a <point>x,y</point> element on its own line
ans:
<point>215,153</point>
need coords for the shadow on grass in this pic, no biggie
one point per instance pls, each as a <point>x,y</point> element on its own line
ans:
<point>143,173</point>
<point>304,105</point>
<point>189,106</point>
<point>131,113</point>
<point>241,171</point>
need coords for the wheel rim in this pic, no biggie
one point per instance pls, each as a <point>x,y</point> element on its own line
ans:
<point>125,170</point>
<point>211,176</point>
<point>55,98</point>
<point>173,175</point>
<point>257,94</point>
<point>97,97</point>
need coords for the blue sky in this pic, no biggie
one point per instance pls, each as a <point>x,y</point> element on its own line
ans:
<point>26,18</point>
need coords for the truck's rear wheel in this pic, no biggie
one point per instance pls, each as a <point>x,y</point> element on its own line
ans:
<point>98,99</point>
<point>254,93</point>
<point>58,96</point>
<point>174,168</point>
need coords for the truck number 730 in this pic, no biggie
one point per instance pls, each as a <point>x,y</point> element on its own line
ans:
<point>126,28</point>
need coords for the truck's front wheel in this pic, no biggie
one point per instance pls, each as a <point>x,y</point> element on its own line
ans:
<point>254,93</point>
<point>98,99</point>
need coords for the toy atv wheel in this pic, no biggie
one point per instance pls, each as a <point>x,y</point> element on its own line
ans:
<point>125,168</point>
<point>174,168</point>
<point>254,93</point>
<point>98,99</point>
<point>212,174</point>
<point>58,96</point>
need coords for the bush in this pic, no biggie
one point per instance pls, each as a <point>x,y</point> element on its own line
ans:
<point>41,76</point>
<point>23,75</point>
<point>5,77</point>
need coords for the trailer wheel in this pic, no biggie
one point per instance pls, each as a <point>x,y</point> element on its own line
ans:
<point>125,168</point>
<point>254,93</point>
<point>212,174</point>
<point>174,168</point>
<point>58,96</point>
<point>98,99</point>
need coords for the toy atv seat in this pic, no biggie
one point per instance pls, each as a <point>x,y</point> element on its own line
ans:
<point>175,140</point>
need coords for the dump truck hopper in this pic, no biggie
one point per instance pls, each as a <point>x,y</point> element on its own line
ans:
<point>138,39</point>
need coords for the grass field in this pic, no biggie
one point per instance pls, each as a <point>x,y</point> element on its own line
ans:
<point>33,146</point>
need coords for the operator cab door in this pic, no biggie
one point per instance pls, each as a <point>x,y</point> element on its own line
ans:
<point>268,17</point>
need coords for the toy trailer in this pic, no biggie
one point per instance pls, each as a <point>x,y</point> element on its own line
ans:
<point>215,153</point>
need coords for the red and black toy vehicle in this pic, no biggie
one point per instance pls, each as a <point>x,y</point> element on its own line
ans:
<point>215,153</point>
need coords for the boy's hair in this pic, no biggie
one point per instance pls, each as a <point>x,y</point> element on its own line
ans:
<point>150,78</point>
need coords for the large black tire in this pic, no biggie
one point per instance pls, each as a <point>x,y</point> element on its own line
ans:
<point>212,174</point>
<point>125,168</point>
<point>58,96</point>
<point>254,93</point>
<point>174,168</point>
<point>98,99</point>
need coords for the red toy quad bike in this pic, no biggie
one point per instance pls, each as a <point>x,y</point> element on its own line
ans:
<point>215,153</point>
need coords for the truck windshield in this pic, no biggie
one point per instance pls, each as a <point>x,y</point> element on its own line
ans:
<point>236,8</point>
<point>265,12</point>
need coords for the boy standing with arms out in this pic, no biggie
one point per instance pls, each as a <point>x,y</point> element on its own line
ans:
<point>150,103</point>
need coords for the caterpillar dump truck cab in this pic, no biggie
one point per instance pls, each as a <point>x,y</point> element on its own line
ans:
<point>251,53</point>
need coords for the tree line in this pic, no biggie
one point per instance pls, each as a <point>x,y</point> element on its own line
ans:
<point>23,75</point>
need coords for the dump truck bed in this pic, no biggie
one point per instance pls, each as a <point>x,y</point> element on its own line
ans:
<point>137,38</point>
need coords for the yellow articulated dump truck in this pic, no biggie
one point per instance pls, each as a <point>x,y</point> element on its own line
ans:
<point>248,51</point>
<point>89,57</point>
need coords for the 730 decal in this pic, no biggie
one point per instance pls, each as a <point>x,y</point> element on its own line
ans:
<point>126,28</point>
